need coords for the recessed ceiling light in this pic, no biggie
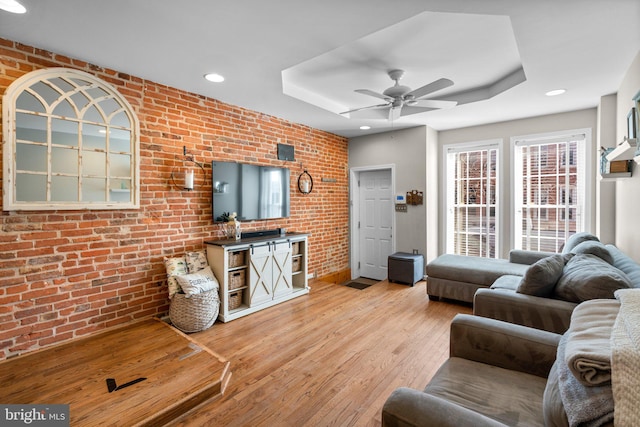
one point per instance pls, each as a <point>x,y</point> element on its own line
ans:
<point>555,92</point>
<point>12,6</point>
<point>213,77</point>
<point>365,127</point>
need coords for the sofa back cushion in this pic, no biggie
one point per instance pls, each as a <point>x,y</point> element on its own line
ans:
<point>541,278</point>
<point>587,277</point>
<point>626,264</point>
<point>575,239</point>
<point>593,247</point>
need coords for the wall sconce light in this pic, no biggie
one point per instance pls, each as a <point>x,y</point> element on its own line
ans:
<point>305,183</point>
<point>186,180</point>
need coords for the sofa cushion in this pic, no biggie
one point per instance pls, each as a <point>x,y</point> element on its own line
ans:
<point>593,247</point>
<point>587,277</point>
<point>507,281</point>
<point>517,402</point>
<point>470,269</point>
<point>623,262</point>
<point>575,239</point>
<point>541,278</point>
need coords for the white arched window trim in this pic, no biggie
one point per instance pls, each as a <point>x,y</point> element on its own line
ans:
<point>82,153</point>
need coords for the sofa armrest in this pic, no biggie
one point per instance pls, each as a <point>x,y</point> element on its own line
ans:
<point>548,314</point>
<point>521,256</point>
<point>503,344</point>
<point>408,407</point>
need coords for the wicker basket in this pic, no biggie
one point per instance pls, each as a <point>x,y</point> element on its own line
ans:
<point>235,299</point>
<point>195,313</point>
<point>236,259</point>
<point>236,279</point>
<point>295,248</point>
<point>296,264</point>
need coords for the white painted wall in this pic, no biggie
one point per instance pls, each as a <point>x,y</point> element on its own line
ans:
<point>627,210</point>
<point>505,130</point>
<point>407,150</point>
<point>606,190</point>
<point>433,210</point>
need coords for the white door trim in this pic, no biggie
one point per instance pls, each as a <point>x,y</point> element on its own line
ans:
<point>354,214</point>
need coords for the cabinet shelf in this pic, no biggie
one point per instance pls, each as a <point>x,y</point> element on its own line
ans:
<point>239,309</point>
<point>614,176</point>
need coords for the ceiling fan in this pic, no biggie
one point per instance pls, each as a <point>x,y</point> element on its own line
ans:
<point>402,101</point>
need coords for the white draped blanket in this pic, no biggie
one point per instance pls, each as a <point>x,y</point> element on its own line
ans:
<point>588,350</point>
<point>625,360</point>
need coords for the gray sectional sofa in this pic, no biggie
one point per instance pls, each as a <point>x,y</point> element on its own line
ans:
<point>458,277</point>
<point>501,374</point>
<point>551,310</point>
<point>536,289</point>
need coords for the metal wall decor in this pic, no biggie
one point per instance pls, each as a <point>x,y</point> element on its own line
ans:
<point>414,197</point>
<point>305,182</point>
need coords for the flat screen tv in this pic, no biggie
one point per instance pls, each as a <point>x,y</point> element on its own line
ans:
<point>251,191</point>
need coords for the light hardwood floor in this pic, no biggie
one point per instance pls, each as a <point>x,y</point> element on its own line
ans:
<point>327,359</point>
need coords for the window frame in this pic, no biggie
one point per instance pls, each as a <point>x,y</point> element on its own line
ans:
<point>449,188</point>
<point>10,149</point>
<point>585,215</point>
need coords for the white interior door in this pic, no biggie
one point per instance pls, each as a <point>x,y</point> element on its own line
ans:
<point>375,223</point>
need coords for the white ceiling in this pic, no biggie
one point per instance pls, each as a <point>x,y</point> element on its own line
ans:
<point>301,60</point>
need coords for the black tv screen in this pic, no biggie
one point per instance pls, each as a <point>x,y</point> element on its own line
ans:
<point>251,191</point>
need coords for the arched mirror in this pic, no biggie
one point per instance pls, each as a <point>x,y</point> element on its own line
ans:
<point>72,143</point>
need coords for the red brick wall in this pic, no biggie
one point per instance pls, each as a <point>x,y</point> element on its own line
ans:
<point>64,274</point>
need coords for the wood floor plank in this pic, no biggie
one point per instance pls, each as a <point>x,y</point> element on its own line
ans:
<point>327,359</point>
<point>175,375</point>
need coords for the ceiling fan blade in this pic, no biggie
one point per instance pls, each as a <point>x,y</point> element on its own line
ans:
<point>365,108</point>
<point>394,113</point>
<point>408,110</point>
<point>431,87</point>
<point>375,94</point>
<point>434,103</point>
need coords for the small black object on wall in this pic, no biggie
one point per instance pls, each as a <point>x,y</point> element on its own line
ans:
<point>305,183</point>
<point>286,152</point>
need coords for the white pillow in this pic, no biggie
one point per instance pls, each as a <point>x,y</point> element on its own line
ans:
<point>196,261</point>
<point>175,267</point>
<point>194,283</point>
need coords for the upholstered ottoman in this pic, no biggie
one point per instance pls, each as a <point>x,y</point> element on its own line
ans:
<point>405,268</point>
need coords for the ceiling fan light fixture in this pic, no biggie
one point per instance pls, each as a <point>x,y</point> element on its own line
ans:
<point>12,6</point>
<point>212,77</point>
<point>555,92</point>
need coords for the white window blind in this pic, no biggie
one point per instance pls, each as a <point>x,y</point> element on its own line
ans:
<point>472,202</point>
<point>549,191</point>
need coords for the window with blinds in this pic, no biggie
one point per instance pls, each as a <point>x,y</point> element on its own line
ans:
<point>472,203</point>
<point>549,191</point>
